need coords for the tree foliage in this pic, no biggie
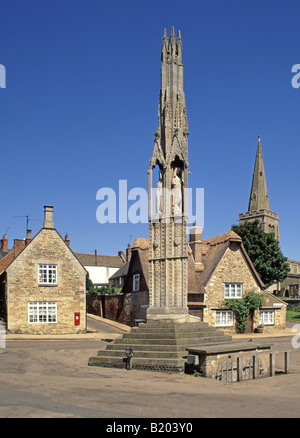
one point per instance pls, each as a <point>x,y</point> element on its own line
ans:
<point>101,290</point>
<point>264,252</point>
<point>109,290</point>
<point>89,285</point>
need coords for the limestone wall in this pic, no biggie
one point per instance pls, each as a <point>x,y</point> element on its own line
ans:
<point>233,268</point>
<point>22,286</point>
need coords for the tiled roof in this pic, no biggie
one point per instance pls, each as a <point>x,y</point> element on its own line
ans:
<point>3,253</point>
<point>143,256</point>
<point>19,245</point>
<point>213,250</point>
<point>222,238</point>
<point>141,242</point>
<point>121,272</point>
<point>99,260</point>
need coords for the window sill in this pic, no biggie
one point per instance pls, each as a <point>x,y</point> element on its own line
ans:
<point>43,322</point>
<point>47,285</point>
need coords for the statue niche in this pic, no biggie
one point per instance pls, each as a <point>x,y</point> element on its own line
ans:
<point>159,187</point>
<point>177,186</point>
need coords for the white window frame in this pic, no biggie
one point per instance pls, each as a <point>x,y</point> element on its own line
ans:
<point>47,274</point>
<point>224,318</point>
<point>136,283</point>
<point>42,312</point>
<point>233,290</point>
<point>267,317</point>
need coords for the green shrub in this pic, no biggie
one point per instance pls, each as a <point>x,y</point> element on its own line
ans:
<point>242,306</point>
<point>254,300</point>
<point>109,290</point>
<point>241,310</point>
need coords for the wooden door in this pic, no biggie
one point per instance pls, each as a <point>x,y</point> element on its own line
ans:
<point>249,328</point>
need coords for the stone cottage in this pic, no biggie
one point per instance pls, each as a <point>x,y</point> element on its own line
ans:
<point>227,272</point>
<point>42,284</point>
<point>218,269</point>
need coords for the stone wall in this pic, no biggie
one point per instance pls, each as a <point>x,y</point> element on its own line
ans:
<point>22,286</point>
<point>135,306</point>
<point>234,268</point>
<point>113,307</point>
<point>105,306</point>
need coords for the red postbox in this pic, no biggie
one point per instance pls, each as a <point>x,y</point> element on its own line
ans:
<point>77,318</point>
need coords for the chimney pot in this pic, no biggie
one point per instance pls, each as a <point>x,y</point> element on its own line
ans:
<point>28,237</point>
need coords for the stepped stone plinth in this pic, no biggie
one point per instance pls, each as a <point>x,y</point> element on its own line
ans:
<point>159,346</point>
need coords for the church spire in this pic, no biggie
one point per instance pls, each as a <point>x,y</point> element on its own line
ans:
<point>259,206</point>
<point>259,199</point>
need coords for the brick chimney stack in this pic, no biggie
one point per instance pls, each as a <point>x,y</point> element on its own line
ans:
<point>48,216</point>
<point>4,243</point>
<point>128,253</point>
<point>196,246</point>
<point>19,244</point>
<point>28,237</point>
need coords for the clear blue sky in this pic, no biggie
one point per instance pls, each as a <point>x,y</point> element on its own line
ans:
<point>80,109</point>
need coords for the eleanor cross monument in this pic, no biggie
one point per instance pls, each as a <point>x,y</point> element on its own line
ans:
<point>168,203</point>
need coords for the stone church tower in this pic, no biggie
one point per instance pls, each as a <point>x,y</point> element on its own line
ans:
<point>168,246</point>
<point>259,206</point>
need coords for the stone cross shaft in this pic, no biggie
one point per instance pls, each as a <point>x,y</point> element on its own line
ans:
<point>168,204</point>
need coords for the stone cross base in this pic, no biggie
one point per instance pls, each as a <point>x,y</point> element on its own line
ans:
<point>170,314</point>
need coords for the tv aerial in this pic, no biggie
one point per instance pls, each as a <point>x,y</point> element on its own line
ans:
<point>27,221</point>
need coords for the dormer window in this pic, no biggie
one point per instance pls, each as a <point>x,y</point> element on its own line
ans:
<point>47,274</point>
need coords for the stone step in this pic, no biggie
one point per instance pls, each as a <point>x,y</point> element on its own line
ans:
<point>145,347</point>
<point>144,354</point>
<point>171,327</point>
<point>139,363</point>
<point>167,334</point>
<point>188,340</point>
<point>173,324</point>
